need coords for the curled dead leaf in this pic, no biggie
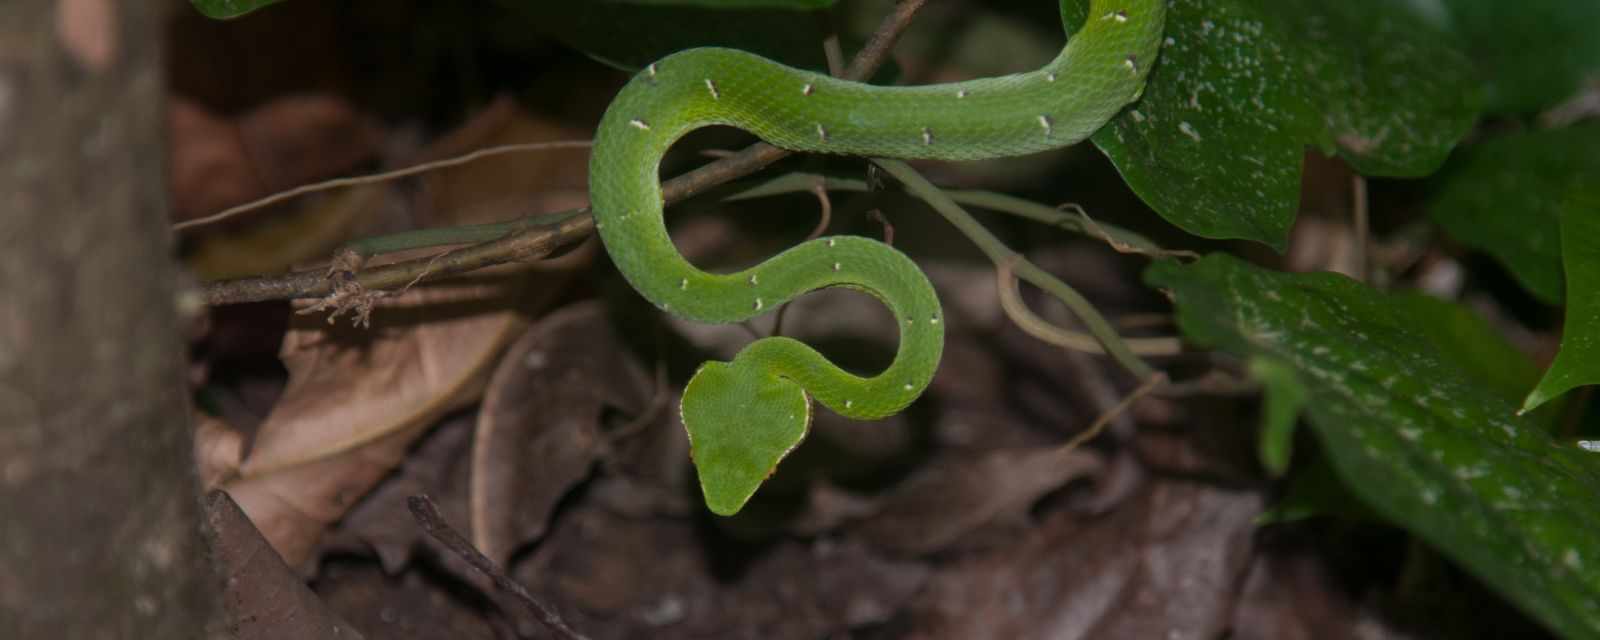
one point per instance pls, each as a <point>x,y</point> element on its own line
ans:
<point>539,430</point>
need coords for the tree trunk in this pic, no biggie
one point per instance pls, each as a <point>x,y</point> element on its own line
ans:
<point>99,519</point>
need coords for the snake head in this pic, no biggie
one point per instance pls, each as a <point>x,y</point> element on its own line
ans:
<point>741,423</point>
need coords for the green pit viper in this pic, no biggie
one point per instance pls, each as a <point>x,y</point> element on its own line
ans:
<point>744,416</point>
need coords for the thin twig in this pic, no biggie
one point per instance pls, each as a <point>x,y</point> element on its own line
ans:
<point>427,515</point>
<point>1358,193</point>
<point>1011,302</point>
<point>1120,246</point>
<point>1150,384</point>
<point>877,48</point>
<point>888,227</point>
<point>380,177</point>
<point>523,247</point>
<point>993,201</point>
<point>825,216</point>
<point>524,243</point>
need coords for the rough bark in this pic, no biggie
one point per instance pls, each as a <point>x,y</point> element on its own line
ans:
<point>99,516</point>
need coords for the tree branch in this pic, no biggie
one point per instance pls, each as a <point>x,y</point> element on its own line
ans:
<point>526,244</point>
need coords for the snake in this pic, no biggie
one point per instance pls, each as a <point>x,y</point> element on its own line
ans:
<point>744,416</point>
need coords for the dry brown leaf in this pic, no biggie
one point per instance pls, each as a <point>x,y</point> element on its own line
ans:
<point>356,399</point>
<point>208,167</point>
<point>413,606</point>
<point>503,187</point>
<point>219,162</point>
<point>664,578</point>
<point>438,466</point>
<point>1166,564</point>
<point>539,430</point>
<point>218,449</point>
<point>299,232</point>
<point>956,495</point>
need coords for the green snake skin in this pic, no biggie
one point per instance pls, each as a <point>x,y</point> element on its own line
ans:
<point>744,416</point>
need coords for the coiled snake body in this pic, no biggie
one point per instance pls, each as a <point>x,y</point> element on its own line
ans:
<point>744,416</point>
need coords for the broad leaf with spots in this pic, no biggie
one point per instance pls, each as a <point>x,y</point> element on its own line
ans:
<point>1425,445</point>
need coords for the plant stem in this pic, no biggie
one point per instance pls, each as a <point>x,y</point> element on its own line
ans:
<point>999,253</point>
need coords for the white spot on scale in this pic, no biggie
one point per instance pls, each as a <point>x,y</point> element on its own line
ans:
<point>822,134</point>
<point>908,387</point>
<point>836,266</point>
<point>1048,124</point>
<point>753,280</point>
<point>712,87</point>
<point>832,242</point>
<point>639,124</point>
<point>807,90</point>
<point>933,320</point>
<point>759,304</point>
<point>849,403</point>
<point>683,285</point>
<point>1468,473</point>
<point>651,70</point>
<point>1132,63</point>
<point>1050,77</point>
<point>1188,130</point>
<point>961,94</point>
<point>927,136</point>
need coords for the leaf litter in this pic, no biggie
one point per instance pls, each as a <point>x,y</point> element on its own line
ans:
<point>950,521</point>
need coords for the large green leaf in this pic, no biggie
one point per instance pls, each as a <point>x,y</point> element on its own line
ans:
<point>1468,344</point>
<point>632,35</point>
<point>1504,197</point>
<point>1531,53</point>
<point>1244,86</point>
<point>1578,363</point>
<point>1412,435</point>
<point>223,9</point>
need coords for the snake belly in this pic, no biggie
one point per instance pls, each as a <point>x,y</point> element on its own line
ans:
<point>743,416</point>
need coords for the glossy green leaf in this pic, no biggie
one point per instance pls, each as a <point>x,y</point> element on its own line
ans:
<point>224,9</point>
<point>1469,345</point>
<point>1578,362</point>
<point>1244,86</point>
<point>1283,398</point>
<point>1411,434</point>
<point>1503,197</point>
<point>630,35</point>
<point>1531,53</point>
